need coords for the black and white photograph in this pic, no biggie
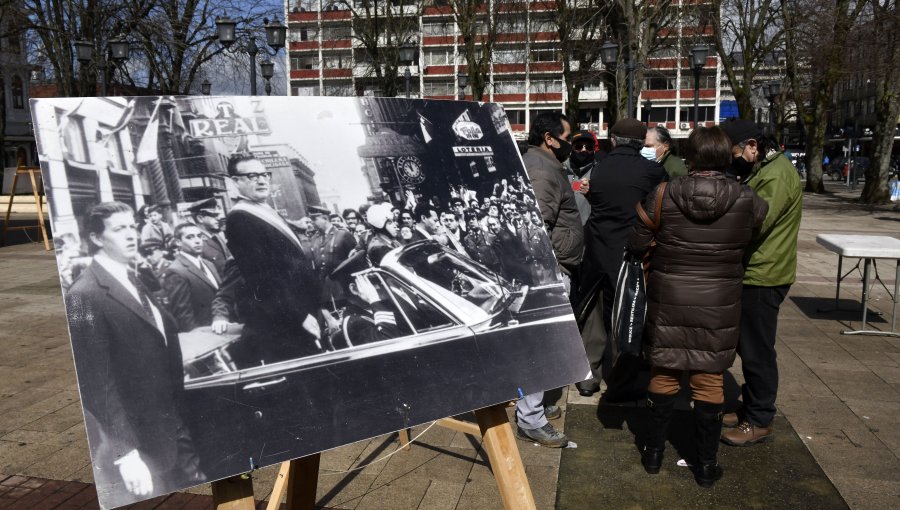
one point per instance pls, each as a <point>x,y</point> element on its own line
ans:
<point>250,280</point>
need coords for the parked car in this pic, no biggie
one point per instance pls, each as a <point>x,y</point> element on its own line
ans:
<point>462,333</point>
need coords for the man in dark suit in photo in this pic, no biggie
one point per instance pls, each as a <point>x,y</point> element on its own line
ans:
<point>190,282</point>
<point>208,216</point>
<point>129,368</point>
<point>280,289</point>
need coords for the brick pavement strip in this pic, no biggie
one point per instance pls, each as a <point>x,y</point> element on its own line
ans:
<point>854,435</point>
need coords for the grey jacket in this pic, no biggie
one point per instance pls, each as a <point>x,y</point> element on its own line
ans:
<point>558,207</point>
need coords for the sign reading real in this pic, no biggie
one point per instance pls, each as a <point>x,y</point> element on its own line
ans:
<point>233,126</point>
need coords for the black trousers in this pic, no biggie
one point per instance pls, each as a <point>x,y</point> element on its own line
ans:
<point>756,347</point>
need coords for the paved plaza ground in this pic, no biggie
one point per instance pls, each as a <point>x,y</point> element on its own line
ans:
<point>837,433</point>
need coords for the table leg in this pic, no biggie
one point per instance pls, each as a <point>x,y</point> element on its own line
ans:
<point>894,305</point>
<point>837,294</point>
<point>865,292</point>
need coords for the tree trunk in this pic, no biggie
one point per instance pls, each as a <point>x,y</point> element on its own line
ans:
<point>815,144</point>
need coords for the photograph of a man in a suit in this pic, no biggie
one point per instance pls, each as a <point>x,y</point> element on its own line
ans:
<point>279,295</point>
<point>129,366</point>
<point>190,281</point>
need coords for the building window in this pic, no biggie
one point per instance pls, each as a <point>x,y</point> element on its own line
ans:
<point>516,116</point>
<point>336,61</point>
<point>707,113</point>
<point>515,56</point>
<point>439,88</point>
<point>18,92</point>
<point>304,63</point>
<point>543,55</point>
<point>707,81</point>
<point>339,89</point>
<point>336,33</point>
<point>438,57</point>
<point>437,29</point>
<point>546,86</point>
<point>509,87</point>
<point>544,25</point>
<point>74,141</point>
<point>659,83</point>
<point>663,114</point>
<point>310,90</point>
<point>304,33</point>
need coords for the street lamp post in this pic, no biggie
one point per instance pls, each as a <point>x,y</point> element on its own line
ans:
<point>205,87</point>
<point>647,105</point>
<point>267,67</point>
<point>772,92</point>
<point>226,30</point>
<point>609,55</point>
<point>117,52</point>
<point>698,61</point>
<point>407,56</point>
<point>463,80</point>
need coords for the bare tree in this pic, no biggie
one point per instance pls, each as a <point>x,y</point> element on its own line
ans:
<point>880,35</point>
<point>639,24</point>
<point>816,33</point>
<point>753,29</point>
<point>581,25</point>
<point>381,27</point>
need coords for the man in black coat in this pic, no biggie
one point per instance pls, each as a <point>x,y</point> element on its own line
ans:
<point>618,182</point>
<point>511,252</point>
<point>129,367</point>
<point>190,282</point>
<point>279,295</point>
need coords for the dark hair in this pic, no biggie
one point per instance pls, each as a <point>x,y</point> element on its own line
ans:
<point>547,122</point>
<point>237,158</point>
<point>767,143</point>
<point>333,216</point>
<point>151,209</point>
<point>180,228</point>
<point>709,148</point>
<point>98,215</point>
<point>147,249</point>
<point>663,135</point>
<point>348,212</point>
<point>406,210</point>
<point>422,209</point>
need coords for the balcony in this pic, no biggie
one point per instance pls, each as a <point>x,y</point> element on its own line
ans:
<point>593,95</point>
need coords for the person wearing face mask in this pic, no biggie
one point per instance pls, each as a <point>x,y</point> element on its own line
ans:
<point>771,268</point>
<point>584,158</point>
<point>658,147</point>
<point>549,147</point>
<point>618,182</point>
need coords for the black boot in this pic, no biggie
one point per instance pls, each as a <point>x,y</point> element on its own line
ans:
<point>660,407</point>
<point>707,428</point>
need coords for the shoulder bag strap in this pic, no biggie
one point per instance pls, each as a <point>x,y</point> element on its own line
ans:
<point>657,212</point>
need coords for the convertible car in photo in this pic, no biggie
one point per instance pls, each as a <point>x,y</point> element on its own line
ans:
<point>459,332</point>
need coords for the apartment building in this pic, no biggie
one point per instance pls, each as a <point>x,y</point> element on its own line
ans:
<point>326,57</point>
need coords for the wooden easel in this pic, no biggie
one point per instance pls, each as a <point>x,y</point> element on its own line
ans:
<point>298,478</point>
<point>32,171</point>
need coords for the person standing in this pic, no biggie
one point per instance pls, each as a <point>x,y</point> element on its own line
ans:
<point>208,216</point>
<point>156,228</point>
<point>279,288</point>
<point>619,181</point>
<point>129,367</point>
<point>658,147</point>
<point>693,293</point>
<point>549,147</point>
<point>331,245</point>
<point>771,268</point>
<point>190,282</point>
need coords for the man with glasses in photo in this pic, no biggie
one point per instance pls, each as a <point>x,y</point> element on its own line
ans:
<point>279,289</point>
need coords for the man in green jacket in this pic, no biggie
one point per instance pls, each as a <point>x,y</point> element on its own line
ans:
<point>771,268</point>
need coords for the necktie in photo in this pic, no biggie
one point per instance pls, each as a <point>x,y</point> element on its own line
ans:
<point>142,295</point>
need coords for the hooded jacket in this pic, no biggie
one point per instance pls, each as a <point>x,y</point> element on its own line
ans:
<point>694,287</point>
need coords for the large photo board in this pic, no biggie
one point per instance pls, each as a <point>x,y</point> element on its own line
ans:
<point>251,280</point>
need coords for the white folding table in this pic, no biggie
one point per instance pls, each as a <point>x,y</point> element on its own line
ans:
<point>867,248</point>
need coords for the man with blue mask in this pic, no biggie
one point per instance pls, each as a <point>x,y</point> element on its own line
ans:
<point>658,147</point>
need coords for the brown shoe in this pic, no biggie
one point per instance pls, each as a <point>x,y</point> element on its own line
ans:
<point>747,434</point>
<point>730,420</point>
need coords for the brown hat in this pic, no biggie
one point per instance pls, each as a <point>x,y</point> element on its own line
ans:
<point>629,128</point>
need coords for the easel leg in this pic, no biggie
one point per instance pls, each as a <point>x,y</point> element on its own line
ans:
<point>235,493</point>
<point>12,195</point>
<point>404,439</point>
<point>302,482</point>
<point>40,209</point>
<point>506,463</point>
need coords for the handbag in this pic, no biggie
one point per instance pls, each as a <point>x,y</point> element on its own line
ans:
<point>630,303</point>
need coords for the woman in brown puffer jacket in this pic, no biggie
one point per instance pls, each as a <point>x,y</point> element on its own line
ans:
<point>694,293</point>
